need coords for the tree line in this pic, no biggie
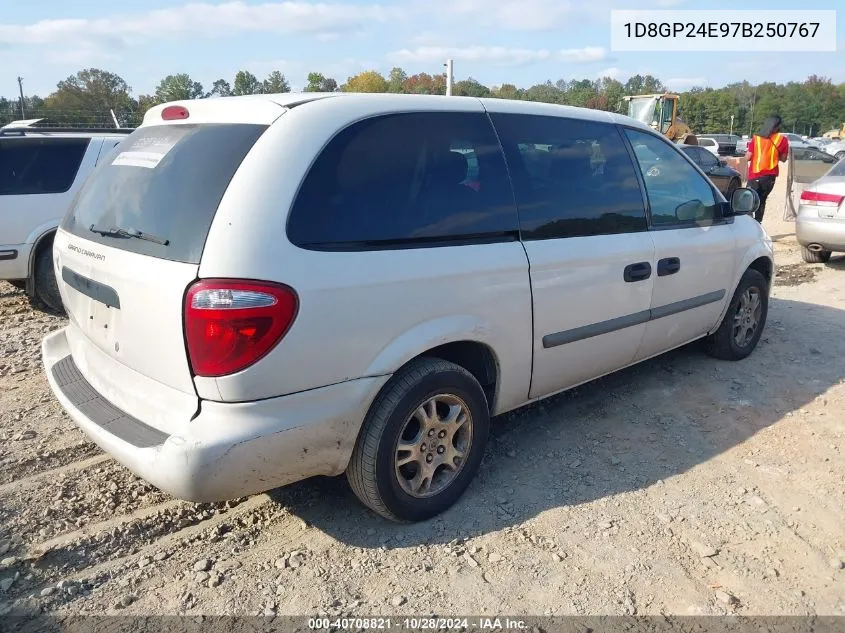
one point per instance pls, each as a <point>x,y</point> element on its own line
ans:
<point>809,107</point>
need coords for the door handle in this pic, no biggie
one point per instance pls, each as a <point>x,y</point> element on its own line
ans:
<point>668,266</point>
<point>637,272</point>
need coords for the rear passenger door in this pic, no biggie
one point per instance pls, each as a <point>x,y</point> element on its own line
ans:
<point>409,240</point>
<point>583,223</point>
<point>694,246</point>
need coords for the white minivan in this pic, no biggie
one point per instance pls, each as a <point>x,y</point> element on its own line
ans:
<point>41,169</point>
<point>267,288</point>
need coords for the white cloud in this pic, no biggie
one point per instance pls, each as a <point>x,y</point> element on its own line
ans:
<point>511,15</point>
<point>583,55</point>
<point>204,19</point>
<point>208,19</point>
<point>614,73</point>
<point>82,55</point>
<point>500,55</point>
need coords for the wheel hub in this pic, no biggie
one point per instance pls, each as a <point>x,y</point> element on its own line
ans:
<point>433,445</point>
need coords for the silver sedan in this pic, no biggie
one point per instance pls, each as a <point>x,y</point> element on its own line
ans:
<point>820,222</point>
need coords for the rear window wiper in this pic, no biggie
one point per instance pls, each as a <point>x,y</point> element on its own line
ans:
<point>119,232</point>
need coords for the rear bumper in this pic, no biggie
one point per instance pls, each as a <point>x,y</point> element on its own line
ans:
<point>228,450</point>
<point>829,233</point>
<point>14,261</point>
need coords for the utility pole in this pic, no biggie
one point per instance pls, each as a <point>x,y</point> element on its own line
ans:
<point>751,126</point>
<point>732,126</point>
<point>20,88</point>
<point>449,68</point>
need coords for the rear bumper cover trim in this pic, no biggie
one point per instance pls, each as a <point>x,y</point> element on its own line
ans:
<point>100,411</point>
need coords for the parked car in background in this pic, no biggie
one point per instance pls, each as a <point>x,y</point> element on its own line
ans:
<point>726,179</point>
<point>222,271</point>
<point>835,149</point>
<point>795,140</point>
<point>709,144</point>
<point>40,171</point>
<point>820,221</point>
<point>741,146</point>
<point>724,144</point>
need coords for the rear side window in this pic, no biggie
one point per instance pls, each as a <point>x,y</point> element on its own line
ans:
<point>400,180</point>
<point>39,165</point>
<point>571,177</point>
<point>165,181</point>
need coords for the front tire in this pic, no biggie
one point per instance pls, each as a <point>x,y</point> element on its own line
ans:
<point>814,257</point>
<point>422,441</point>
<point>46,288</point>
<point>743,324</point>
<point>839,155</point>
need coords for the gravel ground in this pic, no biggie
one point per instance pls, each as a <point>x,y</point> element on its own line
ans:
<point>682,486</point>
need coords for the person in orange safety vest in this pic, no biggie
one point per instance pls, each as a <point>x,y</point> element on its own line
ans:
<point>767,148</point>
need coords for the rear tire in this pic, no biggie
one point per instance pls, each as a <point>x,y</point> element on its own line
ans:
<point>814,257</point>
<point>46,288</point>
<point>839,155</point>
<point>411,410</point>
<point>735,339</point>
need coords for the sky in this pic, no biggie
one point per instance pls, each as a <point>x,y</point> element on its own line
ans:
<point>523,42</point>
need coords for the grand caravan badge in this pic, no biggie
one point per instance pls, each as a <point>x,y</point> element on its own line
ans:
<point>84,251</point>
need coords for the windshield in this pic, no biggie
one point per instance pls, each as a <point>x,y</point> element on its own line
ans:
<point>164,181</point>
<point>642,109</point>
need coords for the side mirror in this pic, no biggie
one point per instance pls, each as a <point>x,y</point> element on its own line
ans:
<point>744,201</point>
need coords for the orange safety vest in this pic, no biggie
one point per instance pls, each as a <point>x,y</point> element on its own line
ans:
<point>765,155</point>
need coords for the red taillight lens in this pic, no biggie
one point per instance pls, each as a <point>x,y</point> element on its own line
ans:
<point>821,199</point>
<point>171,113</point>
<point>229,324</point>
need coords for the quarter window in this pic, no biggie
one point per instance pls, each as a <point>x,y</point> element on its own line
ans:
<point>571,177</point>
<point>39,166</point>
<point>677,193</point>
<point>403,179</point>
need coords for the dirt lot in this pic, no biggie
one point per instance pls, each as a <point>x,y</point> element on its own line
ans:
<point>682,486</point>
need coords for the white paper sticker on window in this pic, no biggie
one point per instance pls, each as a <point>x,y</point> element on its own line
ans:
<point>147,151</point>
<point>138,159</point>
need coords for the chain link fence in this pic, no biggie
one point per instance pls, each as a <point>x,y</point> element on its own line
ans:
<point>73,118</point>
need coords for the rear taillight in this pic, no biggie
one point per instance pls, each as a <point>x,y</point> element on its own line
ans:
<point>231,324</point>
<point>821,199</point>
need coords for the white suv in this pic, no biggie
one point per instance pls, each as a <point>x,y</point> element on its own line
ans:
<point>266,288</point>
<point>40,171</point>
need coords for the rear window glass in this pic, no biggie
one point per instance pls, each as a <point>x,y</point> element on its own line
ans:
<point>166,182</point>
<point>39,165</point>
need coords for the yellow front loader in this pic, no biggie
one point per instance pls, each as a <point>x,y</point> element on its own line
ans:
<point>660,112</point>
